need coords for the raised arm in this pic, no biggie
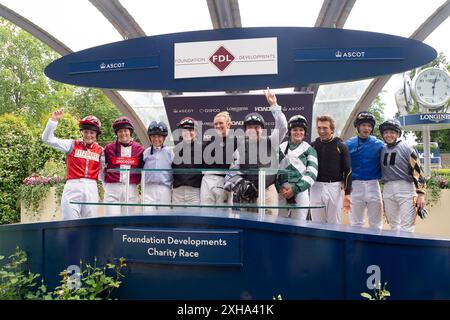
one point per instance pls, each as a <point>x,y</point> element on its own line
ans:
<point>280,130</point>
<point>48,136</point>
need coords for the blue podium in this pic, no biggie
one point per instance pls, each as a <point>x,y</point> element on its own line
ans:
<point>224,254</point>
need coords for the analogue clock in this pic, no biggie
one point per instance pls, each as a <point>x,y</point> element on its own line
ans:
<point>431,87</point>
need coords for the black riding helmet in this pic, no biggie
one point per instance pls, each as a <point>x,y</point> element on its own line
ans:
<point>187,123</point>
<point>298,121</point>
<point>392,124</point>
<point>253,118</point>
<point>157,128</point>
<point>364,117</point>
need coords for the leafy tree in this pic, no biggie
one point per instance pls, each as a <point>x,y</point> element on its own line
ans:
<point>67,129</point>
<point>27,98</point>
<point>25,89</point>
<point>93,101</point>
<point>377,109</point>
<point>16,146</point>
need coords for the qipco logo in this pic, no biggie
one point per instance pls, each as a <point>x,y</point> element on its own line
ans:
<point>74,279</point>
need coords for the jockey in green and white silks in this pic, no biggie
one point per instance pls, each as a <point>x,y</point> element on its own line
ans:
<point>300,159</point>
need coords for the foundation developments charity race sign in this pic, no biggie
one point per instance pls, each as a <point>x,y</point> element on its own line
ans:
<point>204,108</point>
<point>179,246</point>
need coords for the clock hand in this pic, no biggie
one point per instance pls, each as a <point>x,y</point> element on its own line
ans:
<point>434,84</point>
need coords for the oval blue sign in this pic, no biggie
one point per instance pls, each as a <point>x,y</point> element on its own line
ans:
<point>240,59</point>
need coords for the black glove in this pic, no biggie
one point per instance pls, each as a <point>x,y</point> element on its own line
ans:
<point>245,191</point>
<point>422,213</point>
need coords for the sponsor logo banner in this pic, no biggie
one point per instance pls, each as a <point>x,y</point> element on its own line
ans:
<point>225,58</point>
<point>345,54</point>
<point>85,154</point>
<point>204,108</point>
<point>418,122</point>
<point>114,65</point>
<point>130,161</point>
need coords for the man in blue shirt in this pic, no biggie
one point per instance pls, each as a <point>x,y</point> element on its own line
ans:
<point>365,151</point>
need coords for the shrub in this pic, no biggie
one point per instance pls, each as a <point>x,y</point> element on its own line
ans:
<point>380,293</point>
<point>16,283</point>
<point>16,148</point>
<point>92,282</point>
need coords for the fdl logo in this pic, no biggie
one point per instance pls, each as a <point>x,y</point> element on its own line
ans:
<point>221,58</point>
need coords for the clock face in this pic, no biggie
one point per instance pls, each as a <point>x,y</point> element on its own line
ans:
<point>431,87</point>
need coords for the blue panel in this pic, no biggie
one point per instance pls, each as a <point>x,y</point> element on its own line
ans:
<point>179,246</point>
<point>27,239</point>
<point>349,54</point>
<point>425,119</point>
<point>305,56</point>
<point>407,269</point>
<point>298,260</point>
<point>106,65</point>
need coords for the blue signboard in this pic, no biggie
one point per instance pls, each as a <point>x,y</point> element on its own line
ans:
<point>340,54</point>
<point>240,59</point>
<point>417,122</point>
<point>435,153</point>
<point>179,246</point>
<point>114,65</point>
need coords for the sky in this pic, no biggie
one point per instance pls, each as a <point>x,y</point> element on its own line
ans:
<point>79,25</point>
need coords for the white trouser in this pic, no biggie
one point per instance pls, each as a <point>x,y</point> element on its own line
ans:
<point>157,193</point>
<point>366,195</point>
<point>81,190</point>
<point>116,192</point>
<point>211,190</point>
<point>186,195</point>
<point>331,196</point>
<point>301,199</point>
<point>271,199</point>
<point>399,205</point>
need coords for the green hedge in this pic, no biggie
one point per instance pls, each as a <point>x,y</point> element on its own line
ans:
<point>16,152</point>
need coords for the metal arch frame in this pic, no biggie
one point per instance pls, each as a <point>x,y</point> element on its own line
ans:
<point>224,13</point>
<point>125,24</point>
<point>374,88</point>
<point>34,30</point>
<point>119,17</point>
<point>62,49</point>
<point>332,14</point>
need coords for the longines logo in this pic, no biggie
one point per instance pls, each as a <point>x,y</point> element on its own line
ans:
<point>436,117</point>
<point>349,54</point>
<point>112,66</point>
